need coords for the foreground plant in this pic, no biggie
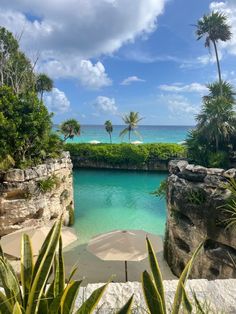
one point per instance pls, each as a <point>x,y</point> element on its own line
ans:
<point>153,288</point>
<point>37,296</point>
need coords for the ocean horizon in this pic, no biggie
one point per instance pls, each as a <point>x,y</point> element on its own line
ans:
<point>149,134</point>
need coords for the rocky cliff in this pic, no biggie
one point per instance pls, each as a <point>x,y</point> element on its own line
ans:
<point>195,198</point>
<point>37,195</point>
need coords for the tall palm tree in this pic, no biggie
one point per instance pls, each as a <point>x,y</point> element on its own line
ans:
<point>214,27</point>
<point>217,120</point>
<point>43,84</point>
<point>109,128</point>
<point>131,120</point>
<point>70,128</point>
<point>227,91</point>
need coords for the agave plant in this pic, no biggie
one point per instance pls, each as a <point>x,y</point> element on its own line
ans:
<point>153,288</point>
<point>36,295</point>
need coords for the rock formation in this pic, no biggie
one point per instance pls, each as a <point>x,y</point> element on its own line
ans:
<point>195,197</point>
<point>37,195</point>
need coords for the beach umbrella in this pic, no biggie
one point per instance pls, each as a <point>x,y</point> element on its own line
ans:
<point>11,243</point>
<point>123,245</point>
<point>94,142</point>
<point>136,142</point>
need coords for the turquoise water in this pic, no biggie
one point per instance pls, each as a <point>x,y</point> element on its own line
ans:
<point>150,134</point>
<point>106,200</point>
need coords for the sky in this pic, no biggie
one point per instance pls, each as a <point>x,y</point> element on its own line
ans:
<point>110,57</point>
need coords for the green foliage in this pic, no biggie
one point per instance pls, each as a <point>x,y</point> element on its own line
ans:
<point>153,288</point>
<point>162,189</point>
<point>230,207</point>
<point>196,197</point>
<point>218,159</point>
<point>69,129</point>
<point>43,84</point>
<point>109,128</point>
<point>35,297</point>
<point>126,154</point>
<point>131,120</point>
<point>48,184</point>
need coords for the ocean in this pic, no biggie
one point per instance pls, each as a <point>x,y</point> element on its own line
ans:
<point>149,134</point>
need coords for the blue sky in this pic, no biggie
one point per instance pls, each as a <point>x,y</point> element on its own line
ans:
<point>112,56</point>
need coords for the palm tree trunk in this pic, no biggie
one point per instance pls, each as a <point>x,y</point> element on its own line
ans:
<point>129,135</point>
<point>218,66</point>
<point>110,137</point>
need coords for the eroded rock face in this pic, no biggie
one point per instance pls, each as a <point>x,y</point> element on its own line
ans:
<point>25,199</point>
<point>195,198</point>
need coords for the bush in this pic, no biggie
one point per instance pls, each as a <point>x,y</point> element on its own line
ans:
<point>48,184</point>
<point>126,154</point>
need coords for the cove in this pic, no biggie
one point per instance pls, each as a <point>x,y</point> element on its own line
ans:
<point>106,200</point>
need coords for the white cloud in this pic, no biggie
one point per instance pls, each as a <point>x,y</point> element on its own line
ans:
<point>229,8</point>
<point>131,79</point>
<point>188,88</point>
<point>178,105</point>
<point>68,31</point>
<point>106,105</point>
<point>56,101</point>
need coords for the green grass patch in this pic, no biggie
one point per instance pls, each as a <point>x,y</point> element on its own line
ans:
<point>118,154</point>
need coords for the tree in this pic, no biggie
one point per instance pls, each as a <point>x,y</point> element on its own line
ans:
<point>214,91</point>
<point>131,120</point>
<point>214,27</point>
<point>25,127</point>
<point>109,128</point>
<point>43,84</point>
<point>70,128</point>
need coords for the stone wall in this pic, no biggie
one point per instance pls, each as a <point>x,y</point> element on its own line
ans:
<point>157,165</point>
<point>26,198</point>
<point>195,196</point>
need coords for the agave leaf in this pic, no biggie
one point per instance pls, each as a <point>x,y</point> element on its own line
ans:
<point>55,305</point>
<point>59,279</point>
<point>198,304</point>
<point>50,293</point>
<point>43,305</point>
<point>182,280</point>
<point>27,266</point>
<point>5,306</point>
<point>9,282</point>
<point>88,306</point>
<point>186,302</point>
<point>42,267</point>
<point>126,309</point>
<point>74,270</point>
<point>156,273</point>
<point>17,309</point>
<point>1,252</point>
<point>151,295</point>
<point>69,297</point>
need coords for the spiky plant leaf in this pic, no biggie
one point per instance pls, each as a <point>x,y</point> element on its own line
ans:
<point>186,302</point>
<point>42,267</point>
<point>182,280</point>
<point>88,306</point>
<point>151,294</point>
<point>126,309</point>
<point>5,306</point>
<point>156,273</point>
<point>27,266</point>
<point>17,309</point>
<point>69,297</point>
<point>59,279</point>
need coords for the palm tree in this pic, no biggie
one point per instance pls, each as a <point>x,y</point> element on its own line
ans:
<point>217,120</point>
<point>227,91</point>
<point>131,120</point>
<point>70,128</point>
<point>214,27</point>
<point>109,128</point>
<point>43,84</point>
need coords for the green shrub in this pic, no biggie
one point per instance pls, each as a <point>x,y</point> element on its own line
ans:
<point>48,184</point>
<point>218,160</point>
<point>126,154</point>
<point>196,197</point>
<point>161,191</point>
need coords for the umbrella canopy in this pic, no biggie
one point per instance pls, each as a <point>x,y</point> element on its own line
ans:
<point>123,245</point>
<point>94,142</point>
<point>11,243</point>
<point>136,142</point>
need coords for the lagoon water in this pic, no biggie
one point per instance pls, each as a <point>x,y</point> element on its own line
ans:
<point>106,200</point>
<point>149,133</point>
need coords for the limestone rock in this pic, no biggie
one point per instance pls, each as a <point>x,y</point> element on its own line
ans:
<point>14,175</point>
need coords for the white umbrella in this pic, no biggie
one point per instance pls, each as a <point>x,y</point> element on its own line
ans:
<point>11,243</point>
<point>123,245</point>
<point>136,142</point>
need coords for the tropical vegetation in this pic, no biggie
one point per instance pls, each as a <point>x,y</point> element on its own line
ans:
<point>126,154</point>
<point>69,129</point>
<point>214,28</point>
<point>109,128</point>
<point>43,84</point>
<point>26,136</point>
<point>131,120</point>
